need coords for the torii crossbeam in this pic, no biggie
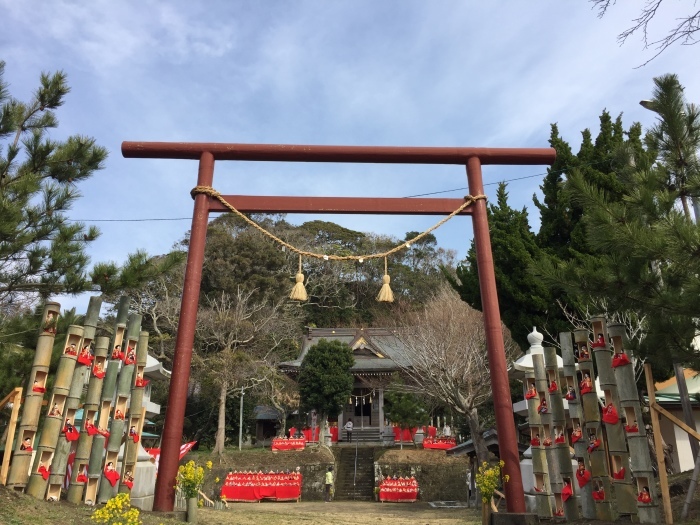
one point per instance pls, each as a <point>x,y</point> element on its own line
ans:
<point>208,153</point>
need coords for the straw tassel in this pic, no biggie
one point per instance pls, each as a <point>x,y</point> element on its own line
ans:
<point>299,292</point>
<point>385,294</point>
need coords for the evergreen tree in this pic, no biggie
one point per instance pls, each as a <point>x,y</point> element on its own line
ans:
<point>404,409</point>
<point>523,298</point>
<point>41,252</point>
<point>325,381</point>
<point>642,243</point>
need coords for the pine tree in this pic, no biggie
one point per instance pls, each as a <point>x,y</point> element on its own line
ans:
<point>643,244</point>
<point>41,252</point>
<point>404,409</point>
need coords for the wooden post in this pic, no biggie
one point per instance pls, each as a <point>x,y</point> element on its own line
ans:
<point>16,397</point>
<point>658,445</point>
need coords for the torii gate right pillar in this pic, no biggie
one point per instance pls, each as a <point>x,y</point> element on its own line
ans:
<point>503,407</point>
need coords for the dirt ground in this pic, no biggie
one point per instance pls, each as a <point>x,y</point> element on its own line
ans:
<point>20,509</point>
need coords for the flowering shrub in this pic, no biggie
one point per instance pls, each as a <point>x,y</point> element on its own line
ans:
<point>190,478</point>
<point>118,510</point>
<point>488,479</point>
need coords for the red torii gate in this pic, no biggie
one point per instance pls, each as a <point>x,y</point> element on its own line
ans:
<point>207,153</point>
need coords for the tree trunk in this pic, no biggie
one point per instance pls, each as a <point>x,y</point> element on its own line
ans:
<point>482,453</point>
<point>221,423</point>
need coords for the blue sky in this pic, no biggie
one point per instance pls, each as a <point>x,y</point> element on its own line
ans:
<point>392,72</point>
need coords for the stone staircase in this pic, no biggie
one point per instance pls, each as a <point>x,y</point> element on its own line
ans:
<point>363,435</point>
<point>350,486</point>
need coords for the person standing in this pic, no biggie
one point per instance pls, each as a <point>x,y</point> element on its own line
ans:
<point>329,483</point>
<point>348,430</point>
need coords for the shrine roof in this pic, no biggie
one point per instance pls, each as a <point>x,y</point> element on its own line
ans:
<point>374,349</point>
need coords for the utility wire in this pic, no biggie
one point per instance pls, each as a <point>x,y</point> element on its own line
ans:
<point>561,171</point>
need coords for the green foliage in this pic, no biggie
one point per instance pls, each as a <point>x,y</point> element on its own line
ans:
<point>488,479</point>
<point>325,381</point>
<point>523,298</point>
<point>405,409</point>
<point>643,252</point>
<point>41,252</point>
<point>117,511</point>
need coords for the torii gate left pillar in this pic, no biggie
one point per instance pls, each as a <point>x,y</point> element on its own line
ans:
<point>207,153</point>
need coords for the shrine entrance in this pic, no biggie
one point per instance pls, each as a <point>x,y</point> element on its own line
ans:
<point>208,200</point>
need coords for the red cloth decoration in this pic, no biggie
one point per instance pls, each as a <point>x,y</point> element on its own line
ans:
<point>39,389</point>
<point>584,388</point>
<point>129,484</point>
<point>104,433</point>
<point>620,359</point>
<point>117,355</point>
<point>71,433</point>
<point>334,434</point>
<point>566,492</point>
<point>610,415</point>
<point>631,429</point>
<point>620,474</point>
<point>112,476</point>
<point>402,490</point>
<point>85,358</point>
<point>140,382</point>
<point>432,431</point>
<point>44,472</point>
<point>26,449</point>
<point>583,477</point>
<point>288,444</point>
<point>99,374</point>
<point>561,439</point>
<point>553,387</point>
<point>535,442</point>
<point>599,495</point>
<point>439,443</point>
<point>575,436</point>
<point>253,486</point>
<point>530,394</point>
<point>82,478</point>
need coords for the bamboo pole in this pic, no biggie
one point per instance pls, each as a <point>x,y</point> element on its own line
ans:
<point>16,397</point>
<point>658,445</point>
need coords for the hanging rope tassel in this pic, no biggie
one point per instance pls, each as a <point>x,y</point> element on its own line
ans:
<point>299,292</point>
<point>385,294</point>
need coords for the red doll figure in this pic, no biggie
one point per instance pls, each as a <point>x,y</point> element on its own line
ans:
<point>610,415</point>
<point>553,387</point>
<point>26,445</point>
<point>620,359</point>
<point>542,407</point>
<point>599,342</point>
<point>531,392</point>
<point>570,394</point>
<point>632,429</point>
<point>620,474</point>
<point>111,474</point>
<point>644,496</point>
<point>535,442</point>
<point>576,434</point>
<point>586,385</point>
<point>593,443</point>
<point>582,475</point>
<point>599,494</point>
<point>567,491</point>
